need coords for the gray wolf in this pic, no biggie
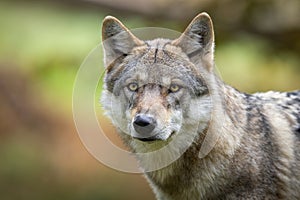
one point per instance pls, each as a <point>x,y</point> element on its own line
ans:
<point>163,90</point>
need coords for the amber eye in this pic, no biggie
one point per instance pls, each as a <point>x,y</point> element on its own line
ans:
<point>132,87</point>
<point>174,88</point>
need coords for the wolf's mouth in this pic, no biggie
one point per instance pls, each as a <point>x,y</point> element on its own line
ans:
<point>154,138</point>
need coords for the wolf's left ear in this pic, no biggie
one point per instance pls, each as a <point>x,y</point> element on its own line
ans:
<point>117,39</point>
<point>197,41</point>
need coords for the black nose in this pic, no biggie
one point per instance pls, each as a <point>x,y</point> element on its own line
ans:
<point>144,125</point>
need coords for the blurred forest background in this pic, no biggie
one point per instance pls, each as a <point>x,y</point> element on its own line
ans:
<point>43,43</point>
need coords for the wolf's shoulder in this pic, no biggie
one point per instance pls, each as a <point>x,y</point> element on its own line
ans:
<point>288,103</point>
<point>286,99</point>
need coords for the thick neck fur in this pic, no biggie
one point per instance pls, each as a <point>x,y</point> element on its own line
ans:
<point>197,177</point>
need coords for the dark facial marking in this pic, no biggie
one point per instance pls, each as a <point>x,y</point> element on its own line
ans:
<point>298,127</point>
<point>155,54</point>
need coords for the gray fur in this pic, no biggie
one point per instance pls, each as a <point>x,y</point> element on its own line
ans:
<point>257,151</point>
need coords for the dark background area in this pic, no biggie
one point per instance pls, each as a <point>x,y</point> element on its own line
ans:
<point>42,45</point>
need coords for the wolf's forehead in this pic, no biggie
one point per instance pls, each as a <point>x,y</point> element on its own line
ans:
<point>158,62</point>
<point>160,51</point>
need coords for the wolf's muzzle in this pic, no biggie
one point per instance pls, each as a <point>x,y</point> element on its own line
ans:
<point>144,125</point>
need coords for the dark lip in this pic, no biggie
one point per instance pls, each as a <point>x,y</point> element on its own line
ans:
<point>153,138</point>
<point>150,139</point>
<point>147,139</point>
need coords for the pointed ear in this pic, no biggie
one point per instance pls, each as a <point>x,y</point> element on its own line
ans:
<point>197,41</point>
<point>117,39</point>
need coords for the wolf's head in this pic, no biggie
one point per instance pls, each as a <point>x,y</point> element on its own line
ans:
<point>160,88</point>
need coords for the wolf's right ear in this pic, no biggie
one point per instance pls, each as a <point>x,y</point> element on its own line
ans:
<point>117,39</point>
<point>197,41</point>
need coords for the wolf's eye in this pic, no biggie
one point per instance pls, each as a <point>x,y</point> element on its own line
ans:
<point>174,88</point>
<point>132,87</point>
